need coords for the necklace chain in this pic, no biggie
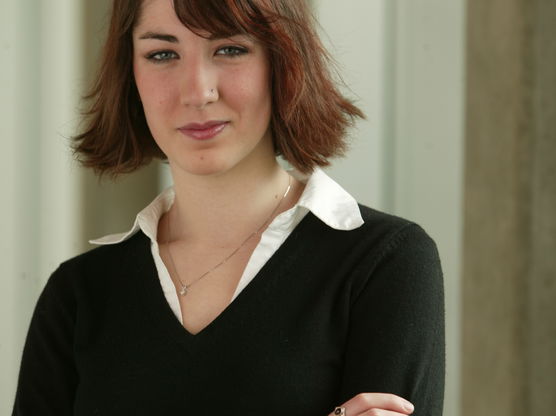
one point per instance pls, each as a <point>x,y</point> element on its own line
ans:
<point>185,287</point>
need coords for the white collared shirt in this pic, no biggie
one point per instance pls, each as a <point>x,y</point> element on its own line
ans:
<point>322,196</point>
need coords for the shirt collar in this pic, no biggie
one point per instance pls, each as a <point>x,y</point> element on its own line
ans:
<point>329,202</point>
<point>322,196</point>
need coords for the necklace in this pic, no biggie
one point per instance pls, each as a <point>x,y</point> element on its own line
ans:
<point>185,287</point>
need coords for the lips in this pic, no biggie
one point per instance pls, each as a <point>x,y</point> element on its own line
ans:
<point>203,131</point>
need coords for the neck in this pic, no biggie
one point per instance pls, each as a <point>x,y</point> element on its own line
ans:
<point>222,208</point>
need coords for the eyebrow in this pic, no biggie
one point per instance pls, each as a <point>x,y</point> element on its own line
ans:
<point>173,39</point>
<point>159,36</point>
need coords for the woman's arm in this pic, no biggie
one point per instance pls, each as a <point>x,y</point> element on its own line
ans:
<point>396,337</point>
<point>48,377</point>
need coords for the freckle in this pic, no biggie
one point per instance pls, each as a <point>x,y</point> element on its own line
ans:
<point>202,158</point>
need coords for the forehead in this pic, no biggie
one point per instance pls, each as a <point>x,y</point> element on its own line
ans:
<point>156,12</point>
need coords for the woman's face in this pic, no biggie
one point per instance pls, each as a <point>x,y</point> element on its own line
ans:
<point>207,101</point>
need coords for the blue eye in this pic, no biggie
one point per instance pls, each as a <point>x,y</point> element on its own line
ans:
<point>162,56</point>
<point>232,51</point>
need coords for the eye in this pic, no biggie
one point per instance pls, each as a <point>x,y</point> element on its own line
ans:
<point>232,51</point>
<point>162,56</point>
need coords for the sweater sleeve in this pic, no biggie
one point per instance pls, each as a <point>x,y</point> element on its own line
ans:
<point>48,376</point>
<point>396,335</point>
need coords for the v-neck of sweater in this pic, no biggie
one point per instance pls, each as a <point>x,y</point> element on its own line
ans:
<point>160,312</point>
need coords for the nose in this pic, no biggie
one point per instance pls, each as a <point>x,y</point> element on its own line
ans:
<point>198,86</point>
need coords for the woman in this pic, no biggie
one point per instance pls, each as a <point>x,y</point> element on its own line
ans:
<point>244,290</point>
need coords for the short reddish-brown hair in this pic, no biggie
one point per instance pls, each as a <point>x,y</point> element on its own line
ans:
<point>309,115</point>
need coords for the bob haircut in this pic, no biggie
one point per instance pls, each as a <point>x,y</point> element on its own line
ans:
<point>309,115</point>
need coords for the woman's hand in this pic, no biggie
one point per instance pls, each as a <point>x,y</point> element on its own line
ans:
<point>376,404</point>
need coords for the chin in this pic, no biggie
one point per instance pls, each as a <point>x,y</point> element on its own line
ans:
<point>206,167</point>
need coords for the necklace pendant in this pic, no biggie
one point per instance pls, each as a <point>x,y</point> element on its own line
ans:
<point>183,291</point>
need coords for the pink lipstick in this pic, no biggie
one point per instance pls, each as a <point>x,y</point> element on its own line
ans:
<point>203,131</point>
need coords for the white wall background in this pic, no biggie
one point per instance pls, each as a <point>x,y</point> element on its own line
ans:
<point>402,60</point>
<point>39,212</point>
<point>354,34</point>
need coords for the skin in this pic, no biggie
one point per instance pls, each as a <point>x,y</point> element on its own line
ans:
<point>183,78</point>
<point>195,80</point>
<point>377,404</point>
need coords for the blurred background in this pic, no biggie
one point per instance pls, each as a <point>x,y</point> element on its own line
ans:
<point>460,137</point>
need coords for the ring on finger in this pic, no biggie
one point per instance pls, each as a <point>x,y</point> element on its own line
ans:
<point>339,411</point>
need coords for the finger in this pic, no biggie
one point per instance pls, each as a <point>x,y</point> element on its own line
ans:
<point>378,412</point>
<point>367,401</point>
<point>372,412</point>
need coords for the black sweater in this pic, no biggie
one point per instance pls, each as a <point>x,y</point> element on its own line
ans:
<point>331,314</point>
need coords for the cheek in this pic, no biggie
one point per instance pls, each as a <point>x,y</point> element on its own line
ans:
<point>155,90</point>
<point>155,96</point>
<point>251,91</point>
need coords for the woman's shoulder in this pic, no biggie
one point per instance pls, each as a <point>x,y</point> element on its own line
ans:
<point>390,242</point>
<point>388,229</point>
<point>373,218</point>
<point>390,254</point>
<point>400,244</point>
<point>381,237</point>
<point>96,267</point>
<point>104,255</point>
